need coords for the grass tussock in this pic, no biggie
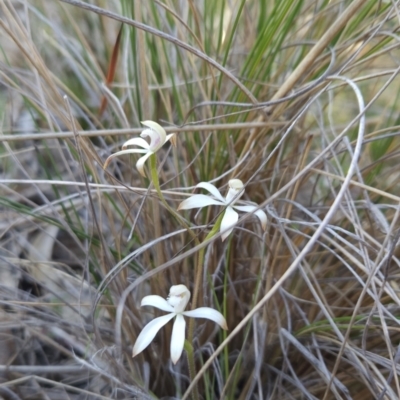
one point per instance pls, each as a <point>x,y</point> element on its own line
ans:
<point>297,99</point>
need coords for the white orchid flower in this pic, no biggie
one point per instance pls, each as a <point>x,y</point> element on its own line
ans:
<point>175,304</point>
<point>158,137</point>
<point>230,218</point>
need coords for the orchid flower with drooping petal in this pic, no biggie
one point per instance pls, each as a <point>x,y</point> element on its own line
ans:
<point>158,137</point>
<point>230,218</point>
<point>175,304</point>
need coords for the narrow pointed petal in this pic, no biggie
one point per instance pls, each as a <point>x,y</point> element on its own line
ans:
<point>228,221</point>
<point>198,201</point>
<point>149,332</point>
<point>259,213</point>
<point>158,302</point>
<point>137,141</point>
<point>141,161</point>
<point>212,189</point>
<point>262,217</point>
<point>209,313</point>
<point>246,209</point>
<point>177,338</point>
<point>120,153</point>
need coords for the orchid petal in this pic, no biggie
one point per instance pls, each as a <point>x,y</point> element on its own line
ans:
<point>198,201</point>
<point>122,152</point>
<point>229,220</point>
<point>149,332</point>
<point>157,134</point>
<point>259,213</point>
<point>212,189</point>
<point>262,217</point>
<point>177,338</point>
<point>158,302</point>
<point>141,161</point>
<point>246,209</point>
<point>209,313</point>
<point>137,141</point>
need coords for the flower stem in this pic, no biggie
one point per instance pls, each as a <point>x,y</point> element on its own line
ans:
<point>197,284</point>
<point>199,269</point>
<point>188,343</point>
<point>156,184</point>
<point>200,260</point>
<point>192,367</point>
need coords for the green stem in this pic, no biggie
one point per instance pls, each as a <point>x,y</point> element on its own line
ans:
<point>199,269</point>
<point>200,260</point>
<point>192,367</point>
<point>197,284</point>
<point>188,343</point>
<point>156,184</point>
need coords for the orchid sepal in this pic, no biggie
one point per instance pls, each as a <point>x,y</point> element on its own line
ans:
<point>212,189</point>
<point>259,213</point>
<point>148,333</point>
<point>177,338</point>
<point>228,222</point>
<point>158,302</point>
<point>198,201</point>
<point>120,153</point>
<point>208,313</point>
<point>137,141</point>
<point>141,161</point>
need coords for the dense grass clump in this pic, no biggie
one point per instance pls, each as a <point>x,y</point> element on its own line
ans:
<point>297,100</point>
